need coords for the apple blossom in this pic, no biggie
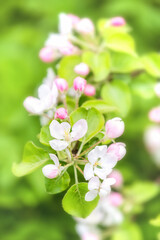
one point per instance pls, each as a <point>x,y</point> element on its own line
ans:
<point>100,163</point>
<point>61,84</point>
<point>114,128</point>
<point>118,149</point>
<point>61,113</point>
<point>47,98</point>
<point>117,21</point>
<point>52,170</point>
<point>79,84</point>
<point>82,69</point>
<point>85,26</point>
<point>90,236</point>
<point>154,114</point>
<point>118,177</point>
<point>65,24</point>
<point>115,199</point>
<point>89,90</point>
<point>157,89</point>
<point>96,187</point>
<point>46,54</point>
<point>63,136</point>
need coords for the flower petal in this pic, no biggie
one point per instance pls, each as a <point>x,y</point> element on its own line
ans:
<point>54,158</point>
<point>101,151</point>
<point>108,161</point>
<point>79,129</point>
<point>92,156</point>
<point>56,130</point>
<point>104,192</point>
<point>33,105</point>
<point>94,183</point>
<point>91,195</point>
<point>58,145</point>
<point>88,171</point>
<point>108,182</point>
<point>66,126</point>
<point>102,172</point>
<point>43,91</point>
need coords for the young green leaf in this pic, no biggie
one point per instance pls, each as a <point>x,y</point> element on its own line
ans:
<point>100,105</point>
<point>117,94</point>
<point>57,185</point>
<point>99,63</point>
<point>151,64</point>
<point>149,190</point>
<point>74,201</point>
<point>156,221</point>
<point>33,157</point>
<point>94,119</point>
<point>45,135</point>
<point>66,68</point>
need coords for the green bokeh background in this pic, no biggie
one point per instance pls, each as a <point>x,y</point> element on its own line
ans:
<point>26,211</point>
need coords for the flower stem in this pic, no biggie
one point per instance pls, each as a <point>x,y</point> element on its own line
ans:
<point>75,174</point>
<point>80,170</point>
<point>91,147</point>
<point>82,43</point>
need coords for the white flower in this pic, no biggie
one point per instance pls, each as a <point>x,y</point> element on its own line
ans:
<point>61,131</point>
<point>96,187</point>
<point>52,170</point>
<point>100,163</point>
<point>47,98</point>
<point>65,24</point>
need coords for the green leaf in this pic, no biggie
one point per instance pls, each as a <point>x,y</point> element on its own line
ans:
<point>104,27</point>
<point>100,105</point>
<point>45,135</point>
<point>141,192</point>
<point>33,157</point>
<point>58,184</point>
<point>156,221</point>
<point>128,231</point>
<point>120,42</point>
<point>94,119</point>
<point>151,64</point>
<point>125,63</point>
<point>66,68</point>
<point>99,63</point>
<point>117,94</point>
<point>74,201</point>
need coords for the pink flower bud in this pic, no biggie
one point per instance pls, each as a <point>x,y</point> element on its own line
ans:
<point>90,236</point>
<point>46,54</point>
<point>61,84</point>
<point>85,26</point>
<point>79,84</point>
<point>115,199</point>
<point>89,90</point>
<point>82,69</point>
<point>114,128</point>
<point>152,138</point>
<point>154,115</point>
<point>61,113</point>
<point>74,19</point>
<point>67,49</point>
<point>118,177</point>
<point>50,171</point>
<point>118,21</point>
<point>157,89</point>
<point>117,149</point>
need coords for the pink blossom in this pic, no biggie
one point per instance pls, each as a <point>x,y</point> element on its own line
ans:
<point>50,171</point>
<point>117,21</point>
<point>67,49</point>
<point>61,113</point>
<point>82,69</point>
<point>114,128</point>
<point>79,84</point>
<point>115,199</point>
<point>61,84</point>
<point>89,90</point>
<point>118,177</point>
<point>74,19</point>
<point>46,54</point>
<point>117,149</point>
<point>152,138</point>
<point>85,26</point>
<point>154,115</point>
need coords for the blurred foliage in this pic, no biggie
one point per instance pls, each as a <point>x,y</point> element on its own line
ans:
<point>25,209</point>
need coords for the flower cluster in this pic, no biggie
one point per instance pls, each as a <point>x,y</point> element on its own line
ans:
<point>106,214</point>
